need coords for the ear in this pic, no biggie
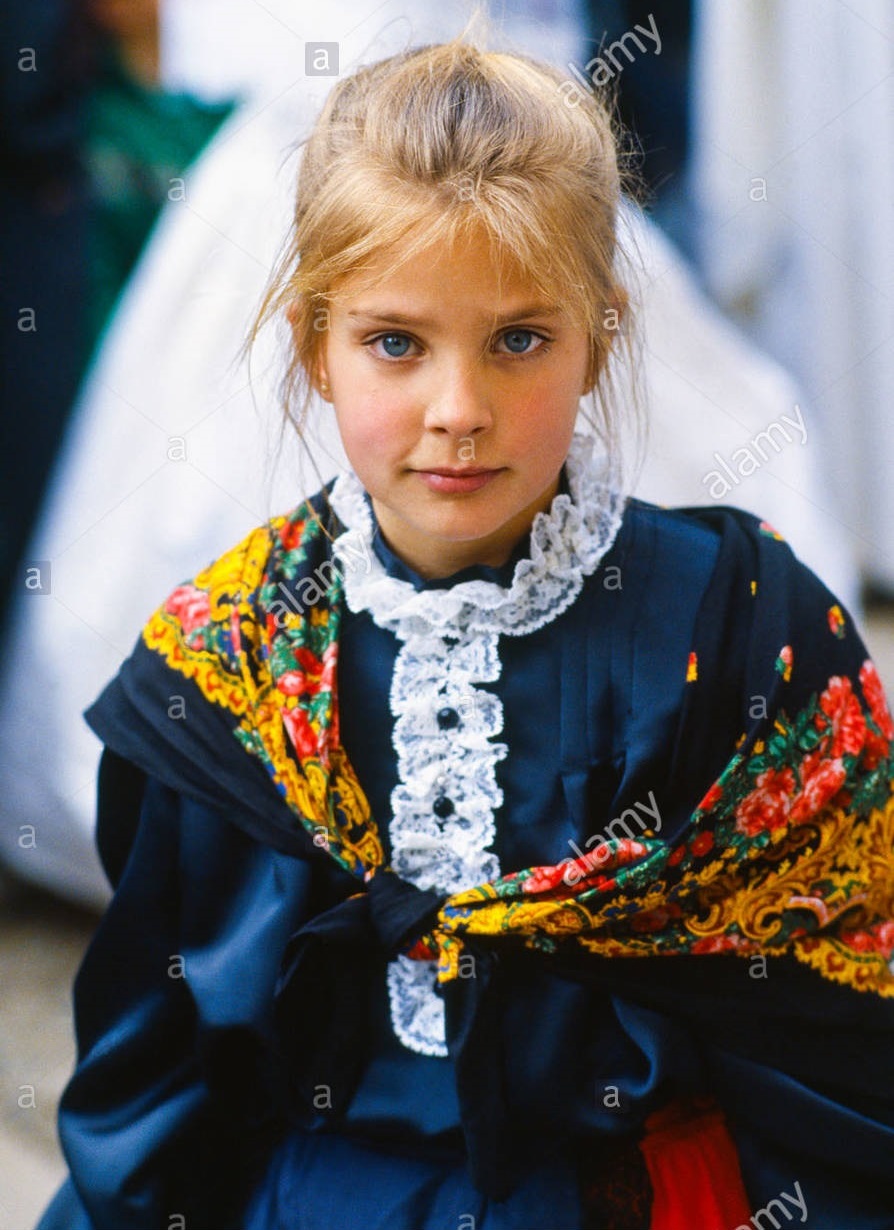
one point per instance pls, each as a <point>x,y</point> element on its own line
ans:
<point>321,383</point>
<point>317,372</point>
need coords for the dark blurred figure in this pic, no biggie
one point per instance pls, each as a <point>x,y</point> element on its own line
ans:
<point>653,98</point>
<point>92,149</point>
<point>43,234</point>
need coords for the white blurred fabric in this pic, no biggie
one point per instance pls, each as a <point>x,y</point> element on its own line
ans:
<point>127,520</point>
<point>215,49</point>
<point>800,94</point>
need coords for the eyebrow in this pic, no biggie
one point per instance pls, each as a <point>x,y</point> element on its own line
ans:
<point>400,318</point>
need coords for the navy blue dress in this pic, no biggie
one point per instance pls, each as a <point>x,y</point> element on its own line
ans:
<point>170,1111</point>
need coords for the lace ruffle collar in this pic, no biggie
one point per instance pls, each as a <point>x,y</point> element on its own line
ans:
<point>566,543</point>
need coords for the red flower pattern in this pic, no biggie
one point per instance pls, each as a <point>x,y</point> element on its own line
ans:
<point>875,695</point>
<point>767,806</point>
<point>877,747</point>
<point>879,938</point>
<point>712,798</point>
<point>313,675</point>
<point>291,533</point>
<point>544,879</point>
<point>573,871</point>
<point>820,781</point>
<point>302,735</point>
<point>192,608</point>
<point>716,943</point>
<point>702,843</point>
<point>842,708</point>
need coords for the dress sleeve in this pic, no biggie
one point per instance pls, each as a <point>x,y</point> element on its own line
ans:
<point>135,1120</point>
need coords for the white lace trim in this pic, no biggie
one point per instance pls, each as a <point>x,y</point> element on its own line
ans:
<point>443,806</point>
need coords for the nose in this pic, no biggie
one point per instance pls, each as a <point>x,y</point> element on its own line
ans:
<point>460,399</point>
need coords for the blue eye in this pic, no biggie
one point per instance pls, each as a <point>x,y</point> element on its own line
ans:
<point>518,340</point>
<point>395,344</point>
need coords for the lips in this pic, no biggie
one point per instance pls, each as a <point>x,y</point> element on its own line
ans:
<point>448,473</point>
<point>456,482</point>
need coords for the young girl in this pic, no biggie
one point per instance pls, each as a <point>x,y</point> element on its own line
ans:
<point>490,849</point>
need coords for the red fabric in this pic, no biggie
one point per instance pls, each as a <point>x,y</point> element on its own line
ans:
<point>694,1169</point>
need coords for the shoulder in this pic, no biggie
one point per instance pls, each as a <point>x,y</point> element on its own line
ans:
<point>765,625</point>
<point>262,616</point>
<point>696,544</point>
<point>218,668</point>
<point>729,582</point>
<point>662,550</point>
<point>683,531</point>
<point>700,525</point>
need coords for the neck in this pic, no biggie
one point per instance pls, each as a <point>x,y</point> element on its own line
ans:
<point>432,566</point>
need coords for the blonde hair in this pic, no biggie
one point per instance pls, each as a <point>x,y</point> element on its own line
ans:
<point>424,146</point>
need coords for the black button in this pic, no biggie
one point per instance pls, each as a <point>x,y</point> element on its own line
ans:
<point>448,718</point>
<point>442,806</point>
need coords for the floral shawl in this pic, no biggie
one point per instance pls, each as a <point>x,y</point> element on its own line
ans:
<point>788,854</point>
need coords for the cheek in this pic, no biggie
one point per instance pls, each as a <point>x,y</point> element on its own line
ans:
<point>542,429</point>
<point>549,397</point>
<point>371,421</point>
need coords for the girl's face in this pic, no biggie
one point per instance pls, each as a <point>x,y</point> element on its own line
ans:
<point>456,424</point>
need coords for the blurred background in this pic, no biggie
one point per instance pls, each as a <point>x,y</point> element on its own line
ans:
<point>148,151</point>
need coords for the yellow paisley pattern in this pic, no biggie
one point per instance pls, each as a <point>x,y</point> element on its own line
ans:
<point>721,900</point>
<point>244,686</point>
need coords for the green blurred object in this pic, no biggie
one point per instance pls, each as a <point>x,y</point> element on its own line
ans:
<point>139,139</point>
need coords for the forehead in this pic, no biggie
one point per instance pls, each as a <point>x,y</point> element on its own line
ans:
<point>472,270</point>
